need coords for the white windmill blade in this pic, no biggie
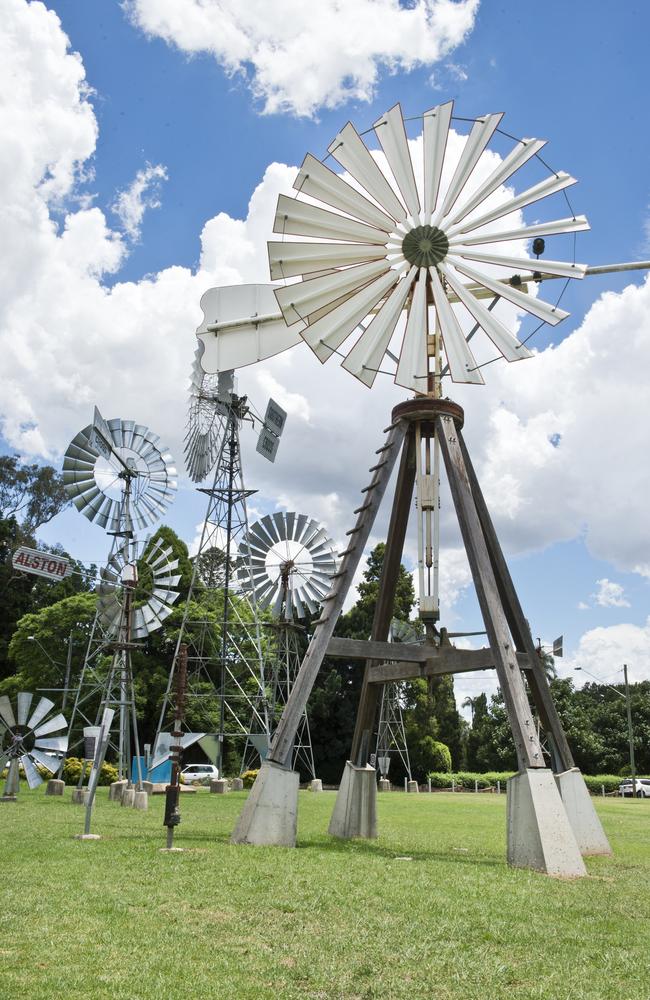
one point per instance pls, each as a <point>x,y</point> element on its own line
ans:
<point>287,260</point>
<point>52,725</point>
<point>561,269</point>
<point>318,181</point>
<point>482,131</point>
<point>350,151</point>
<point>300,300</point>
<point>49,761</point>
<point>6,712</point>
<point>43,707</point>
<point>502,338</point>
<point>551,185</point>
<point>299,218</point>
<point>23,701</point>
<point>328,333</point>
<point>33,777</point>
<point>412,365</point>
<point>391,133</point>
<point>364,359</point>
<point>435,131</point>
<point>461,361</point>
<point>59,744</point>
<point>576,224</point>
<point>537,307</point>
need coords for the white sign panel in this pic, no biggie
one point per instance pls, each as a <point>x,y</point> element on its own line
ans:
<point>41,563</point>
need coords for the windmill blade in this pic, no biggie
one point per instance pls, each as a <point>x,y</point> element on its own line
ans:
<point>23,701</point>
<point>503,339</point>
<point>351,152</point>
<point>271,529</point>
<point>297,302</point>
<point>477,140</point>
<point>328,333</point>
<point>318,181</point>
<point>43,707</point>
<point>51,726</point>
<point>573,225</point>
<point>517,157</point>
<point>298,218</point>
<point>543,310</point>
<point>436,124</point>
<point>560,268</point>
<point>7,712</point>
<point>45,760</point>
<point>59,744</point>
<point>461,361</point>
<point>412,367</point>
<point>366,356</point>
<point>391,133</point>
<point>33,777</point>
<point>287,260</point>
<point>281,525</point>
<point>547,187</point>
<point>4,757</point>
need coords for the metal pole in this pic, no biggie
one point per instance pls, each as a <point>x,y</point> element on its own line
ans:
<point>629,730</point>
<point>172,792</point>
<point>232,444</point>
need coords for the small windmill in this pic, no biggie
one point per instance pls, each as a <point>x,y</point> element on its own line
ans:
<point>119,475</point>
<point>292,564</point>
<point>27,740</point>
<point>404,257</point>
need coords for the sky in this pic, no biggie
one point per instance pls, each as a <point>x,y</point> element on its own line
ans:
<point>144,146</point>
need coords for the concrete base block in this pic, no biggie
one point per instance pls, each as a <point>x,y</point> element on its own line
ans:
<point>355,809</point>
<point>316,785</point>
<point>147,786</point>
<point>172,850</point>
<point>55,787</point>
<point>539,833</point>
<point>237,785</point>
<point>8,798</point>
<point>270,815</point>
<point>412,787</point>
<point>384,785</point>
<point>587,828</point>
<point>140,800</point>
<point>219,786</point>
<point>79,796</point>
<point>128,795</point>
<point>87,836</point>
<point>116,789</point>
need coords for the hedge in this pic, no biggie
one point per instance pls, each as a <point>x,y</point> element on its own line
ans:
<point>487,779</point>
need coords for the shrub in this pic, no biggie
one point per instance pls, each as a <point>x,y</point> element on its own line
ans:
<point>72,772</point>
<point>595,782</point>
<point>248,777</point>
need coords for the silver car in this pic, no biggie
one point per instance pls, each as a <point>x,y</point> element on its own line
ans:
<point>642,788</point>
<point>199,772</point>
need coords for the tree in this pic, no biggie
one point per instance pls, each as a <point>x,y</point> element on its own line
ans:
<point>31,495</point>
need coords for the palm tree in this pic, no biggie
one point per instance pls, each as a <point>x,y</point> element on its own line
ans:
<point>471,704</point>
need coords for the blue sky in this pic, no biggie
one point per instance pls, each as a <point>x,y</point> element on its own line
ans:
<point>100,306</point>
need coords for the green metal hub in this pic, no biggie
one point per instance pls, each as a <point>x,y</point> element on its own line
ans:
<point>425,246</point>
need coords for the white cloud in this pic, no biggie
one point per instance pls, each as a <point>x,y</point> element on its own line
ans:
<point>610,594</point>
<point>143,193</point>
<point>602,652</point>
<point>299,57</point>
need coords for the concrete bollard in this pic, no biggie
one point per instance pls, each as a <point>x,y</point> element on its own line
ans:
<point>219,786</point>
<point>128,796</point>
<point>237,785</point>
<point>384,785</point>
<point>55,787</point>
<point>429,783</point>
<point>140,800</point>
<point>316,785</point>
<point>475,785</point>
<point>498,788</point>
<point>80,796</point>
<point>413,786</point>
<point>116,789</point>
<point>147,786</point>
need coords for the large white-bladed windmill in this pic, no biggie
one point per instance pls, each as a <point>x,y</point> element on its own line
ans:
<point>394,262</point>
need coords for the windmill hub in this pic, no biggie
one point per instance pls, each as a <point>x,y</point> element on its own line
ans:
<point>425,246</point>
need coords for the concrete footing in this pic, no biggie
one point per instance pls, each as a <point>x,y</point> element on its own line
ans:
<point>128,795</point>
<point>116,789</point>
<point>8,798</point>
<point>412,787</point>
<point>539,833</point>
<point>55,787</point>
<point>79,796</point>
<point>237,785</point>
<point>270,814</point>
<point>384,785</point>
<point>219,786</point>
<point>140,800</point>
<point>355,809</point>
<point>587,828</point>
<point>147,786</point>
<point>87,836</point>
<point>316,785</point>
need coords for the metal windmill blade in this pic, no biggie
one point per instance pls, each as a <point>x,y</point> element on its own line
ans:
<point>291,564</point>
<point>408,244</point>
<point>130,453</point>
<point>150,608</point>
<point>209,397</point>
<point>25,739</point>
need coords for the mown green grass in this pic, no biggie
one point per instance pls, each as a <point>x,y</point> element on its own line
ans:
<point>429,910</point>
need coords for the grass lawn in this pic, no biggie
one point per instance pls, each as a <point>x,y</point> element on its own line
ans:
<point>429,910</point>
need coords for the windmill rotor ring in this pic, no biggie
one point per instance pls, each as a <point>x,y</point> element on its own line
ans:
<point>26,736</point>
<point>150,608</point>
<point>286,562</point>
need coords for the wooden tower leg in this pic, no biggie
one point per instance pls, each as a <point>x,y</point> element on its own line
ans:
<point>584,820</point>
<point>269,816</point>
<point>539,833</point>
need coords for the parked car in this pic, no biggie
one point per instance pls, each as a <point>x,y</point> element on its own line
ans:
<point>199,772</point>
<point>642,788</point>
